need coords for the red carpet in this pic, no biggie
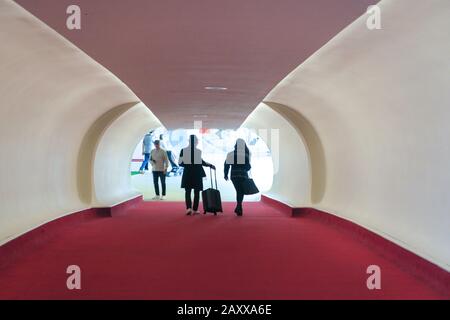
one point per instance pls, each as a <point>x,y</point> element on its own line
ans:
<point>154,251</point>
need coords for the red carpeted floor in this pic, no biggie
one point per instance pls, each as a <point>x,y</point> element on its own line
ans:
<point>154,251</point>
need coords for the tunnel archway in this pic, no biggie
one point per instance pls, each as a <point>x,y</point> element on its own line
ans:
<point>292,181</point>
<point>87,152</point>
<point>111,165</point>
<point>313,146</point>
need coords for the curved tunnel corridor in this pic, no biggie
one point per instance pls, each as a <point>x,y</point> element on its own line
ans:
<point>357,138</point>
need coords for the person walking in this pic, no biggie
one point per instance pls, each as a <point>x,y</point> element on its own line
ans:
<point>239,162</point>
<point>146,149</point>
<point>170,155</point>
<point>191,160</point>
<point>160,163</point>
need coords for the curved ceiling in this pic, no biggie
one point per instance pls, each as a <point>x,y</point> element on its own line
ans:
<point>168,51</point>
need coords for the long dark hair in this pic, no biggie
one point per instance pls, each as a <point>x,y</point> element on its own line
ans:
<point>193,140</point>
<point>239,148</point>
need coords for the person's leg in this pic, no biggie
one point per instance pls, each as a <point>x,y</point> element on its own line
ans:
<point>163,183</point>
<point>240,197</point>
<point>155,182</point>
<point>237,182</point>
<point>187,197</point>
<point>145,162</point>
<point>196,199</point>
<point>240,193</point>
<point>240,200</point>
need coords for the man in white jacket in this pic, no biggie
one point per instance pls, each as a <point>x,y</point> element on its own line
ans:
<point>160,164</point>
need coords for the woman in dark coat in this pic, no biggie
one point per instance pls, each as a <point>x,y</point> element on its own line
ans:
<point>193,173</point>
<point>239,161</point>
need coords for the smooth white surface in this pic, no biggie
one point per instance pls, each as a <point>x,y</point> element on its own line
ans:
<point>379,102</point>
<point>51,96</point>
<point>114,153</point>
<point>292,176</point>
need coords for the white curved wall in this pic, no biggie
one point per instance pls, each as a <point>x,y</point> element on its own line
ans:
<point>116,149</point>
<point>292,174</point>
<point>379,101</point>
<point>51,95</point>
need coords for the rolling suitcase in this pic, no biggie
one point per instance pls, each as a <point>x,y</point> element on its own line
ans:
<point>211,197</point>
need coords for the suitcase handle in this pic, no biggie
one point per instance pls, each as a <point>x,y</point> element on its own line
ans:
<point>215,176</point>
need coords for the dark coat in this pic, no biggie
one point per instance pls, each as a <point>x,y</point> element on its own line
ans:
<point>193,172</point>
<point>239,163</point>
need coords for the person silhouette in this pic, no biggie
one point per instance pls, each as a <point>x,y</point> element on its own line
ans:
<point>160,163</point>
<point>146,149</point>
<point>239,162</point>
<point>191,160</point>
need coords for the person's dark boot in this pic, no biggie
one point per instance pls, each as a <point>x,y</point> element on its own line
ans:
<point>238,211</point>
